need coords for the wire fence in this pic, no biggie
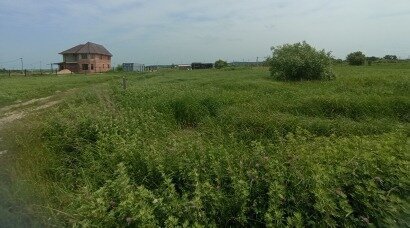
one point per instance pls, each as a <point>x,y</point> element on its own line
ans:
<point>17,67</point>
<point>25,72</point>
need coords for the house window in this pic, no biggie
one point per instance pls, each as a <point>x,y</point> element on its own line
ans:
<point>108,66</point>
<point>100,56</point>
<point>103,66</point>
<point>92,56</point>
<point>92,66</point>
<point>85,66</point>
<point>83,56</point>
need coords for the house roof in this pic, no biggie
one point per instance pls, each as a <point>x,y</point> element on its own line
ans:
<point>88,48</point>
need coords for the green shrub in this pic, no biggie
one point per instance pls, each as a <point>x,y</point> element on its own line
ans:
<point>119,68</point>
<point>370,60</point>
<point>391,58</point>
<point>301,180</point>
<point>189,112</point>
<point>220,64</point>
<point>356,58</point>
<point>337,61</point>
<point>300,61</point>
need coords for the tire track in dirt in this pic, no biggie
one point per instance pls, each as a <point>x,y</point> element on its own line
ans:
<point>32,101</point>
<point>9,117</point>
<point>15,112</point>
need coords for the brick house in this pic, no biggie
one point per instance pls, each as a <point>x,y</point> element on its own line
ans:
<point>86,58</point>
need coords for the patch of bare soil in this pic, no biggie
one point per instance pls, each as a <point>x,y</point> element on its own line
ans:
<point>9,117</point>
<point>7,108</point>
<point>14,112</point>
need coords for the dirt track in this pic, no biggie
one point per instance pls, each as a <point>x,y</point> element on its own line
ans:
<point>24,109</point>
<point>17,111</point>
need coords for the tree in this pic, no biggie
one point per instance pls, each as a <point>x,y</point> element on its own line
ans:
<point>300,61</point>
<point>371,59</point>
<point>337,61</point>
<point>390,58</point>
<point>219,64</point>
<point>356,58</point>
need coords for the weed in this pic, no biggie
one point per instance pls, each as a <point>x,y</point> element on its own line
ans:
<point>228,148</point>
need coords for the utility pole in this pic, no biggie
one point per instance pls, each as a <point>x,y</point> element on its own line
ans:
<point>22,66</point>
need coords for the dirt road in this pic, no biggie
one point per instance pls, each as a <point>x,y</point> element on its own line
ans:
<point>14,112</point>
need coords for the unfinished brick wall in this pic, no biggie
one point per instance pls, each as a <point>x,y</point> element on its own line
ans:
<point>96,63</point>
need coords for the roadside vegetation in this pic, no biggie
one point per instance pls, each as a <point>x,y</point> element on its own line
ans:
<point>225,148</point>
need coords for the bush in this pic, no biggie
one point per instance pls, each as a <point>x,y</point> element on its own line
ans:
<point>266,62</point>
<point>300,61</point>
<point>119,68</point>
<point>391,57</point>
<point>356,58</point>
<point>220,64</point>
<point>337,61</point>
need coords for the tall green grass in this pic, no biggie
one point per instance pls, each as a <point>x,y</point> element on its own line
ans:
<point>228,148</point>
<point>20,88</point>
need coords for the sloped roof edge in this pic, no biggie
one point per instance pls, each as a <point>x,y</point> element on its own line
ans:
<point>87,48</point>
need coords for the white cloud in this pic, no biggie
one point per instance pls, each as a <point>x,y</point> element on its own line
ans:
<point>160,31</point>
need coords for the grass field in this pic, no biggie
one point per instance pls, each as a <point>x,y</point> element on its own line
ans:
<point>20,88</point>
<point>219,148</point>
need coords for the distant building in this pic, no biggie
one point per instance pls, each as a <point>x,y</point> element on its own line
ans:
<point>195,66</point>
<point>86,58</point>
<point>184,67</point>
<point>133,67</point>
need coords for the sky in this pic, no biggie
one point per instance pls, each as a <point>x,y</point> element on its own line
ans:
<point>185,31</point>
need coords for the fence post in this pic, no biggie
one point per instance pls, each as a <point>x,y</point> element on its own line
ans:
<point>25,72</point>
<point>124,83</point>
<point>9,73</point>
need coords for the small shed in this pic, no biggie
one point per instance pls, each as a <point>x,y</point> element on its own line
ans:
<point>184,66</point>
<point>133,67</point>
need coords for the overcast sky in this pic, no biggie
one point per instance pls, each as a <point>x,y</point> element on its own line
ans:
<point>183,31</point>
